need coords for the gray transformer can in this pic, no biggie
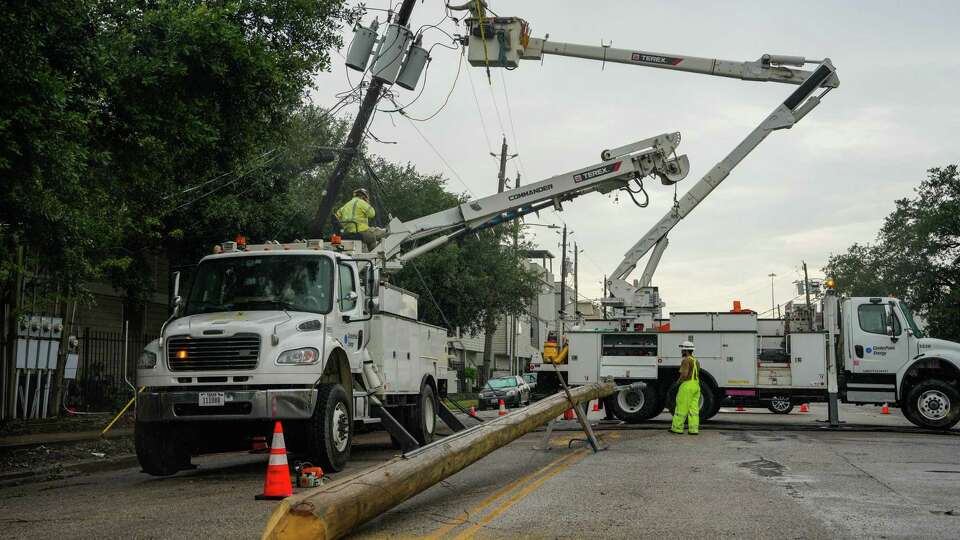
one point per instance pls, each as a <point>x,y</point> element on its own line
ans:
<point>362,45</point>
<point>413,66</point>
<point>390,57</point>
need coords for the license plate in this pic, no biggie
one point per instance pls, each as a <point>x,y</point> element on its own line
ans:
<point>212,399</point>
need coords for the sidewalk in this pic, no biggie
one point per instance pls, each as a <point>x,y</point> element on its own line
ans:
<point>34,439</point>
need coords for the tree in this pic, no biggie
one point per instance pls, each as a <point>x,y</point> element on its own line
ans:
<point>128,125</point>
<point>916,256</point>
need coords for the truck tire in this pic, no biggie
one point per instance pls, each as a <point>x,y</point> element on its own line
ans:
<point>160,450</point>
<point>330,429</point>
<point>633,406</point>
<point>709,404</point>
<point>422,419</point>
<point>780,405</point>
<point>932,404</point>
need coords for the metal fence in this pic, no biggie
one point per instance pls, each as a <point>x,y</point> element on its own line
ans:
<point>103,382</point>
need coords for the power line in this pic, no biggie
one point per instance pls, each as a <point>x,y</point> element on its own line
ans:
<point>439,155</point>
<point>483,124</point>
<point>513,130</point>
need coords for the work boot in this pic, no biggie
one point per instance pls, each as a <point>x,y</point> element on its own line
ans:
<point>693,433</point>
<point>675,432</point>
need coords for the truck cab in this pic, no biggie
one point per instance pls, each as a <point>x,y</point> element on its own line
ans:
<point>888,359</point>
<point>281,332</point>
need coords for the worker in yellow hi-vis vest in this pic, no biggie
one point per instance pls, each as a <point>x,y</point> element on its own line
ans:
<point>355,219</point>
<point>688,395</point>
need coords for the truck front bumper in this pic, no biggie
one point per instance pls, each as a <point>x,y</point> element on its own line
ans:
<point>287,404</point>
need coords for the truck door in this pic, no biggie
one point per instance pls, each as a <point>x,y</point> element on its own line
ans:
<point>878,339</point>
<point>348,302</point>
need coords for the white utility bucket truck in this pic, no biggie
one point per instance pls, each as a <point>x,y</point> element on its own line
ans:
<point>306,332</point>
<point>859,350</point>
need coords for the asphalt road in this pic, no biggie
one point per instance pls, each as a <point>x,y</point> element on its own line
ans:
<point>748,475</point>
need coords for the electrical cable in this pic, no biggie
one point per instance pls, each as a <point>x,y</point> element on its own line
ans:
<point>513,130</point>
<point>439,155</point>
<point>445,100</point>
<point>476,100</point>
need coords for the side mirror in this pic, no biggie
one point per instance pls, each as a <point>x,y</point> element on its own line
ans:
<point>373,283</point>
<point>177,299</point>
<point>176,284</point>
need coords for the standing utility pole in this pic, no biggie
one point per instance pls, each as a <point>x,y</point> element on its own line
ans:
<point>806,290</point>
<point>354,139</point>
<point>563,280</point>
<point>516,241</point>
<point>604,295</point>
<point>773,302</point>
<point>576,281</point>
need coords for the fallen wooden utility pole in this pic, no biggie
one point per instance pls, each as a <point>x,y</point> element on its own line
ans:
<point>335,509</point>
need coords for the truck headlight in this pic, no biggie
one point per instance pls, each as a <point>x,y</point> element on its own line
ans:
<point>307,355</point>
<point>147,360</point>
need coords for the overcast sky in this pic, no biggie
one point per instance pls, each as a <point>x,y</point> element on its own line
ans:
<point>802,195</point>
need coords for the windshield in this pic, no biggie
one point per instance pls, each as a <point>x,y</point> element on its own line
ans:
<point>274,282</point>
<point>910,322</point>
<point>502,383</point>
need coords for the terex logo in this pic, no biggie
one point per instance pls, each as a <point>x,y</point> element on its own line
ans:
<point>655,59</point>
<point>599,171</point>
<point>529,192</point>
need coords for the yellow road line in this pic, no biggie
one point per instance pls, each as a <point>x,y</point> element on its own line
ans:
<point>565,462</point>
<point>443,531</point>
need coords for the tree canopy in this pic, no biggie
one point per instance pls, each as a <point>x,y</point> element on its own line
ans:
<point>916,256</point>
<point>127,124</point>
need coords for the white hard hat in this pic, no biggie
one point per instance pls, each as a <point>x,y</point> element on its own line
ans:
<point>686,346</point>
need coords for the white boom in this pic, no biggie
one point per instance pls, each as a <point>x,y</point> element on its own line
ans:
<point>504,41</point>
<point>655,156</point>
<point>784,116</point>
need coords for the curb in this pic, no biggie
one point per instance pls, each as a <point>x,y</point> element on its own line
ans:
<point>73,469</point>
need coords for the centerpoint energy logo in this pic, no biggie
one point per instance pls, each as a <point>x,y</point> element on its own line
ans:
<point>599,171</point>
<point>529,192</point>
<point>655,59</point>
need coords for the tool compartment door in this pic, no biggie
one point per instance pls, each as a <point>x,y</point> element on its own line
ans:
<point>739,358</point>
<point>628,355</point>
<point>808,360</point>
<point>583,359</point>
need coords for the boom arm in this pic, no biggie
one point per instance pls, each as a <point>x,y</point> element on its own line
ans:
<point>788,113</point>
<point>650,157</point>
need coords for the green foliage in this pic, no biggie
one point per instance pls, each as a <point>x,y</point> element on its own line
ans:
<point>117,112</point>
<point>916,256</point>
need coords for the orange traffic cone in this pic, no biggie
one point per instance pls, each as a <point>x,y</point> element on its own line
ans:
<point>885,409</point>
<point>259,445</point>
<point>568,414</point>
<point>503,409</point>
<point>277,483</point>
<point>596,406</point>
<point>740,408</point>
<point>473,411</point>
<point>804,407</point>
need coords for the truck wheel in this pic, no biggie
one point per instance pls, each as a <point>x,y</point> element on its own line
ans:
<point>709,404</point>
<point>634,406</point>
<point>933,404</point>
<point>159,447</point>
<point>330,429</point>
<point>780,405</point>
<point>422,421</point>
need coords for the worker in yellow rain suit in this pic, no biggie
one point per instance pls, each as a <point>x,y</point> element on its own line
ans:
<point>688,395</point>
<point>355,218</point>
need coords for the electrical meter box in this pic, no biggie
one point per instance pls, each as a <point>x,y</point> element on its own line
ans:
<point>496,42</point>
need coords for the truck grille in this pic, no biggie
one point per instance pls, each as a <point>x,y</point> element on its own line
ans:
<point>185,353</point>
